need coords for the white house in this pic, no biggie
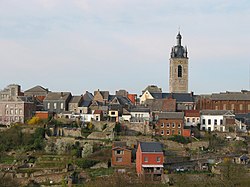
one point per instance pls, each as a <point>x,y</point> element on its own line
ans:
<point>139,115</point>
<point>215,120</point>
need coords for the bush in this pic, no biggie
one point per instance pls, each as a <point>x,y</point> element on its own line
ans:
<point>86,163</point>
<point>180,139</point>
<point>34,120</point>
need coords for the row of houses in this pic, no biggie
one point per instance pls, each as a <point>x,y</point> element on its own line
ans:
<point>170,113</point>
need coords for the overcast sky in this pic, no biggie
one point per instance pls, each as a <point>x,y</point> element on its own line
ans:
<point>79,45</point>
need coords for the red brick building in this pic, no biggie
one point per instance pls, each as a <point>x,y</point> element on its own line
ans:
<point>239,102</point>
<point>169,123</point>
<point>121,154</point>
<point>149,160</point>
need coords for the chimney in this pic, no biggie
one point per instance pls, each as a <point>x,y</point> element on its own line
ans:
<point>191,94</point>
<point>61,94</point>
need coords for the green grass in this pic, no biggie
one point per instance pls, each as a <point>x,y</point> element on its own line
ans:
<point>5,159</point>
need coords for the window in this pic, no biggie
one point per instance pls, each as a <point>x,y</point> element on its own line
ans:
<point>11,111</point>
<point>113,113</point>
<point>6,112</point>
<point>16,111</point>
<point>241,107</point>
<point>216,107</point>
<point>162,132</point>
<point>221,121</point>
<point>118,159</point>
<point>188,120</point>
<point>158,159</point>
<point>248,106</point>
<point>193,120</point>
<point>162,125</point>
<point>173,132</point>
<point>203,121</point>
<point>224,106</point>
<point>168,125</point>
<point>209,121</point>
<point>179,132</point>
<point>55,105</point>
<point>48,105</point>
<point>215,121</point>
<point>119,152</point>
<point>179,71</point>
<point>61,105</point>
<point>179,125</point>
<point>145,159</point>
<point>20,111</point>
<point>168,132</point>
<point>232,106</point>
<point>173,125</point>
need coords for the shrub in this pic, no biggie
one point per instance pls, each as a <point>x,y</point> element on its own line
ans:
<point>86,163</point>
<point>180,139</point>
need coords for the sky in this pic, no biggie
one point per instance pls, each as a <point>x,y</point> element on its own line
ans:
<point>80,45</point>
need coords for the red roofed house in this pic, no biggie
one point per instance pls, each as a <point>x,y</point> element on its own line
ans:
<point>192,117</point>
<point>149,160</point>
<point>98,115</point>
<point>121,154</point>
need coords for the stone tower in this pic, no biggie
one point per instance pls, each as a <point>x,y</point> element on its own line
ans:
<point>178,76</point>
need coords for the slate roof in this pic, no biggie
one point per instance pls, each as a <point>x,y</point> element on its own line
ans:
<point>88,96</point>
<point>170,115</point>
<point>105,94</point>
<point>229,96</point>
<point>119,144</point>
<point>75,99</point>
<point>152,89</point>
<point>245,118</point>
<point>52,96</point>
<point>155,147</point>
<point>122,100</point>
<point>139,109</point>
<point>85,103</point>
<point>180,97</point>
<point>37,89</point>
<point>216,112</point>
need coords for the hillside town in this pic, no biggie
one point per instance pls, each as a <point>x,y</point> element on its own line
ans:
<point>152,138</point>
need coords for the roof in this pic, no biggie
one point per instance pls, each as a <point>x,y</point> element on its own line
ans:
<point>180,97</point>
<point>119,144</point>
<point>85,103</point>
<point>88,96</point>
<point>152,89</point>
<point>75,99</point>
<point>105,94</point>
<point>170,115</point>
<point>98,112</point>
<point>37,89</point>
<point>139,109</point>
<point>192,113</point>
<point>239,96</point>
<point>160,104</point>
<point>119,100</point>
<point>216,112</point>
<point>155,147</point>
<point>57,96</point>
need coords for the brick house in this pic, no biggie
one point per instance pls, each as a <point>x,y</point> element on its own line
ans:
<point>169,123</point>
<point>121,154</point>
<point>239,102</point>
<point>149,160</point>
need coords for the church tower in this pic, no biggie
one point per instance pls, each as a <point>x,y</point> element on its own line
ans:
<point>178,67</point>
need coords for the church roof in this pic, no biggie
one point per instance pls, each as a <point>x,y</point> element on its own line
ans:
<point>179,51</point>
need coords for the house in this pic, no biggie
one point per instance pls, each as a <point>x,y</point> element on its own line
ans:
<point>57,102</point>
<point>101,96</point>
<point>126,116</point>
<point>98,115</point>
<point>16,109</point>
<point>140,115</point>
<point>121,154</point>
<point>10,92</point>
<point>216,120</point>
<point>192,117</point>
<point>161,105</point>
<point>74,103</point>
<point>38,92</point>
<point>239,102</point>
<point>149,160</point>
<point>170,123</point>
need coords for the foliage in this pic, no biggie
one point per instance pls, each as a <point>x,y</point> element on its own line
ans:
<point>86,163</point>
<point>7,181</point>
<point>14,138</point>
<point>215,142</point>
<point>118,128</point>
<point>180,139</point>
<point>34,120</point>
